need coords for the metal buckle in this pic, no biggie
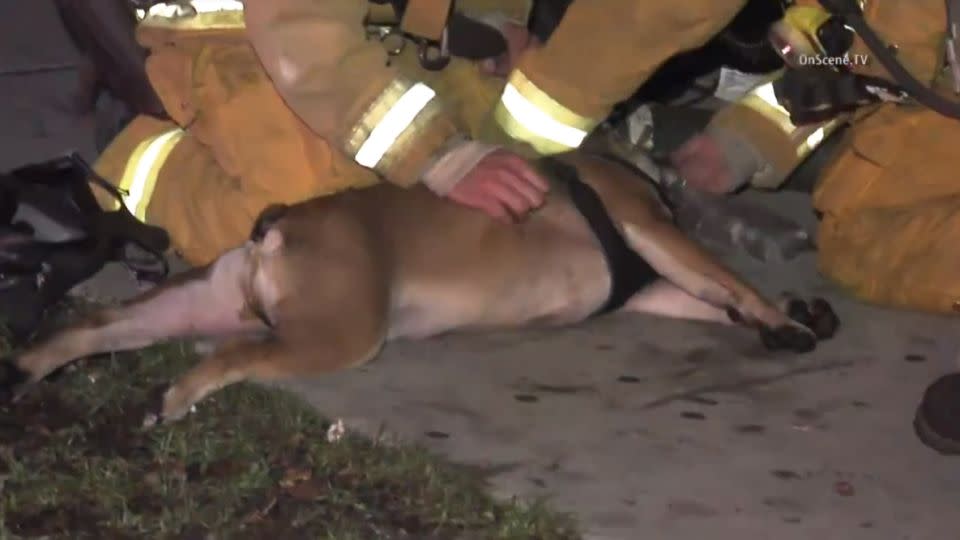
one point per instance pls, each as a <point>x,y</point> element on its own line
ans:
<point>887,94</point>
<point>433,56</point>
<point>391,37</point>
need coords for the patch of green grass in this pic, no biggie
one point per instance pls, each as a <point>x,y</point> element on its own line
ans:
<point>252,462</point>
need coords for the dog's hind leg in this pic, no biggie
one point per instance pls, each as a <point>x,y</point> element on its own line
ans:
<point>340,333</point>
<point>207,301</point>
<point>270,360</point>
<point>327,313</point>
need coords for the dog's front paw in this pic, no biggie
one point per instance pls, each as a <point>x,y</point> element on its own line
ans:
<point>792,337</point>
<point>13,380</point>
<point>809,322</point>
<point>817,315</point>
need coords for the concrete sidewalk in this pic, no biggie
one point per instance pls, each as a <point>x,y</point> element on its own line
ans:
<point>644,428</point>
<point>661,429</point>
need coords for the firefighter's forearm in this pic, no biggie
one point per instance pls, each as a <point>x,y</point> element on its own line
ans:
<point>760,143</point>
<point>600,54</point>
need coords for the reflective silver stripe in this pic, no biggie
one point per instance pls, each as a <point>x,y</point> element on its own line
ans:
<point>539,122</point>
<point>527,113</point>
<point>397,119</point>
<point>143,170</point>
<point>173,10</point>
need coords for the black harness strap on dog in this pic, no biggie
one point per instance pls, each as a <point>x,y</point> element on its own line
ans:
<point>629,272</point>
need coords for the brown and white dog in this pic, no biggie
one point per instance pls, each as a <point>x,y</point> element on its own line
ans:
<point>323,285</point>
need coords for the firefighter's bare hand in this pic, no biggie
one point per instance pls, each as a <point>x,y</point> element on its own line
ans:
<point>702,163</point>
<point>503,185</point>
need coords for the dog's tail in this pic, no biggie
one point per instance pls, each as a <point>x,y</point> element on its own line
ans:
<point>266,220</point>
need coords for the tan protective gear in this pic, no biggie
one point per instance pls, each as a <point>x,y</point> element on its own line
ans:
<point>890,200</point>
<point>766,124</point>
<point>291,99</point>
<point>599,54</point>
<point>244,145</point>
<point>891,206</point>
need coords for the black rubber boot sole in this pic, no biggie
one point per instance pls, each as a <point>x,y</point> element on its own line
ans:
<point>937,420</point>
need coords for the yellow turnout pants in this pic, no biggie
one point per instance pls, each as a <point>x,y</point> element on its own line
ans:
<point>234,146</point>
<point>891,204</point>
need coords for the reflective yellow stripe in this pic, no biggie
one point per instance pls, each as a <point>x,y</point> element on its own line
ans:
<point>143,169</point>
<point>194,15</point>
<point>401,109</point>
<point>528,114</point>
<point>763,99</point>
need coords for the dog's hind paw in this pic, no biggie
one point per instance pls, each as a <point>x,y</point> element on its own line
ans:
<point>164,406</point>
<point>153,416</point>
<point>13,380</point>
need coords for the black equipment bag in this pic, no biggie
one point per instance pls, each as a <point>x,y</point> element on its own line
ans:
<point>54,235</point>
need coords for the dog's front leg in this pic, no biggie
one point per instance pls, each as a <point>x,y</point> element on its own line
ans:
<point>666,299</point>
<point>795,325</point>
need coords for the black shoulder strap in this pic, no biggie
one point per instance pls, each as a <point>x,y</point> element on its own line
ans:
<point>629,272</point>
